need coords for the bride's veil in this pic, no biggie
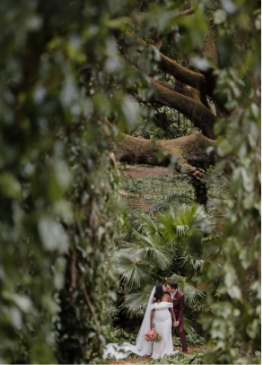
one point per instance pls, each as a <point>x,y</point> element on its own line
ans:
<point>142,347</point>
<point>141,343</point>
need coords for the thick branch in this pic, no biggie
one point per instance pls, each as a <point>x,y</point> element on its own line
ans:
<point>189,92</point>
<point>192,109</point>
<point>189,150</point>
<point>183,74</point>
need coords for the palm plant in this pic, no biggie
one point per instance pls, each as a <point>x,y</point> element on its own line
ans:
<point>148,259</point>
<point>183,221</point>
<point>176,198</point>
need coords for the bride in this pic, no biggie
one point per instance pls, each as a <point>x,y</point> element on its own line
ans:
<point>158,317</point>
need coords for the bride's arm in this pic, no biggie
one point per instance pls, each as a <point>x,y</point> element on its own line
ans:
<point>151,319</point>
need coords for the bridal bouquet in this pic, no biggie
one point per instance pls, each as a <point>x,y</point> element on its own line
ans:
<point>152,335</point>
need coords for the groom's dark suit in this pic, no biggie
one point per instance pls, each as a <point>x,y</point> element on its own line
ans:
<point>179,304</point>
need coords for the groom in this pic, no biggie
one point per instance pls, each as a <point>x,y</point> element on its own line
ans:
<point>178,299</point>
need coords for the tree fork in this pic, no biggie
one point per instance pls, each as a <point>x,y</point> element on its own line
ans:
<point>195,111</point>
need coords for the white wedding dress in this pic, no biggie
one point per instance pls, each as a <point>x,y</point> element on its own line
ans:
<point>163,325</point>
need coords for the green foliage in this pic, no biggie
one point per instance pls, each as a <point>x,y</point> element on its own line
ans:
<point>61,78</point>
<point>177,190</point>
<point>149,258</point>
<point>59,206</point>
<point>235,320</point>
<point>162,123</point>
<point>196,357</point>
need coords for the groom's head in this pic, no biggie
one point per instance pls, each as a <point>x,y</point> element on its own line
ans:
<point>171,286</point>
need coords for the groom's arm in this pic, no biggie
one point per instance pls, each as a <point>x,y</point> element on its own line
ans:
<point>181,307</point>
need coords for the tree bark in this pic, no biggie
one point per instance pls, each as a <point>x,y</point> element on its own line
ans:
<point>187,151</point>
<point>183,74</point>
<point>194,110</point>
<point>179,72</point>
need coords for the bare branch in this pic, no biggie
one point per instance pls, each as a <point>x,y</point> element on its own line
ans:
<point>73,270</point>
<point>98,331</point>
<point>188,11</point>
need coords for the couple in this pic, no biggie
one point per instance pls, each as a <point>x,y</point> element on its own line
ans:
<point>158,316</point>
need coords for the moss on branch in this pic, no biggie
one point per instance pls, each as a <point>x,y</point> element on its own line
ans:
<point>189,151</point>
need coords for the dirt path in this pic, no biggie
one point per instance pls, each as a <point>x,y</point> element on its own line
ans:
<point>137,171</point>
<point>141,171</point>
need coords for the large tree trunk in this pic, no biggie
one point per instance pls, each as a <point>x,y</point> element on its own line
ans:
<point>189,152</point>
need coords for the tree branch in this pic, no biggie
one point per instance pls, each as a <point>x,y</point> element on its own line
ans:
<point>98,331</point>
<point>186,91</point>
<point>189,150</point>
<point>183,74</point>
<point>188,11</point>
<point>73,270</point>
<point>192,109</point>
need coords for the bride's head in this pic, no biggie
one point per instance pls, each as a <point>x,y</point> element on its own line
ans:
<point>159,291</point>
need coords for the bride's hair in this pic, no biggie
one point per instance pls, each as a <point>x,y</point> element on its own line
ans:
<point>158,292</point>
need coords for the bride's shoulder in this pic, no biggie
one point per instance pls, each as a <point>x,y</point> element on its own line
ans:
<point>166,298</point>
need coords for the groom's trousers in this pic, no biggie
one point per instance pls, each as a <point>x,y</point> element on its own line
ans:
<point>182,335</point>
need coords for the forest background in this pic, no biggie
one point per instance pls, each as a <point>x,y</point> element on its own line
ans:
<point>86,85</point>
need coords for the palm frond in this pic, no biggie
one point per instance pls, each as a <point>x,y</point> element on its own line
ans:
<point>196,263</point>
<point>188,326</point>
<point>167,226</point>
<point>192,294</point>
<point>170,227</point>
<point>150,228</point>
<point>133,271</point>
<point>184,221</point>
<point>182,230</point>
<point>199,264</point>
<point>187,214</point>
<point>156,257</point>
<point>135,303</point>
<point>197,218</point>
<point>152,251</point>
